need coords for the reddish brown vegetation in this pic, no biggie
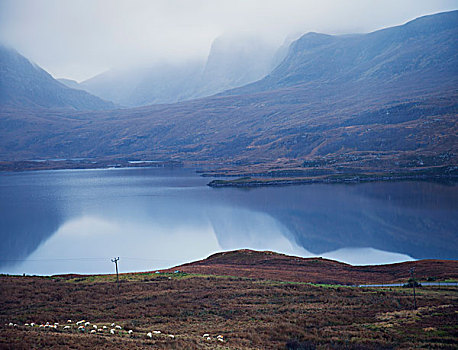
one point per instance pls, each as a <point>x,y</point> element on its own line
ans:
<point>250,313</point>
<point>280,267</point>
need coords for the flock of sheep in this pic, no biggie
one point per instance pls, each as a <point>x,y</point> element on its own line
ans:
<point>86,327</point>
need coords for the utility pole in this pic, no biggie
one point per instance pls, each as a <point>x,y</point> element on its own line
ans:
<point>115,260</point>
<point>412,278</point>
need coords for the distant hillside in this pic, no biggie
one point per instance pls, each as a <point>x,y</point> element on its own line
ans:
<point>73,84</point>
<point>275,266</point>
<point>25,85</point>
<point>395,109</point>
<point>416,55</point>
<point>232,62</point>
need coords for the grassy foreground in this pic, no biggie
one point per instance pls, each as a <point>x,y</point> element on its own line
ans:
<point>248,313</point>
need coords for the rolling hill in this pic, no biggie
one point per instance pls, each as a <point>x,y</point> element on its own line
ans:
<point>275,266</point>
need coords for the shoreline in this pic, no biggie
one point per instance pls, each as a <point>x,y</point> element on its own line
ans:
<point>249,182</point>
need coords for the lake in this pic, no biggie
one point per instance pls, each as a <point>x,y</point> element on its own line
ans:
<point>75,221</point>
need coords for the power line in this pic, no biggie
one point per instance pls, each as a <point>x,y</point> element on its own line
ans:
<point>87,259</point>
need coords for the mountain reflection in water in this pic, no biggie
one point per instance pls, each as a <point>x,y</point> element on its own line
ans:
<point>76,220</point>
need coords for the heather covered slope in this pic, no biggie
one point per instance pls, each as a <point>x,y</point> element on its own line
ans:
<point>259,312</point>
<point>25,85</point>
<point>275,266</point>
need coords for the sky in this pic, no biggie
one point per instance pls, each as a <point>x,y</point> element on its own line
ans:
<point>78,39</point>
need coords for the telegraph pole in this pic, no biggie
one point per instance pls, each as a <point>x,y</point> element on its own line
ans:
<point>115,260</point>
<point>412,278</point>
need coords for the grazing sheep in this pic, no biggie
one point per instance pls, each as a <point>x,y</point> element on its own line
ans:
<point>157,332</point>
<point>94,326</point>
<point>118,327</point>
<point>15,325</point>
<point>206,335</point>
<point>172,336</point>
<point>87,324</point>
<point>69,321</point>
<point>149,335</point>
<point>10,324</point>
<point>81,328</point>
<point>32,324</point>
<point>67,327</point>
<point>208,338</point>
<point>220,339</point>
<point>130,331</point>
<point>56,323</point>
<point>100,330</point>
<point>79,322</point>
<point>104,327</point>
<point>112,331</point>
<point>93,331</point>
<point>26,324</point>
<point>113,324</point>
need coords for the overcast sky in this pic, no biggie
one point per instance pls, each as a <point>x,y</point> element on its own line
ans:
<point>78,39</point>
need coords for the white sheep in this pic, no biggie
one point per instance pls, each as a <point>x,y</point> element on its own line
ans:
<point>69,321</point>
<point>104,327</point>
<point>79,322</point>
<point>26,324</point>
<point>67,327</point>
<point>56,323</point>
<point>130,331</point>
<point>94,326</point>
<point>208,338</point>
<point>113,324</point>
<point>157,332</point>
<point>172,336</point>
<point>149,335</point>
<point>93,331</point>
<point>112,331</point>
<point>206,335</point>
<point>87,324</point>
<point>32,324</point>
<point>11,324</point>
<point>118,327</point>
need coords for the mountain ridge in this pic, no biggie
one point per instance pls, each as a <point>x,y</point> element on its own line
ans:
<point>392,123</point>
<point>24,84</point>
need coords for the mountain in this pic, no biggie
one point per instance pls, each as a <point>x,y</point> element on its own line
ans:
<point>232,62</point>
<point>416,53</point>
<point>386,99</point>
<point>25,85</point>
<point>73,84</point>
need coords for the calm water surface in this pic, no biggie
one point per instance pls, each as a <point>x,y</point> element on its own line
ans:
<point>76,220</point>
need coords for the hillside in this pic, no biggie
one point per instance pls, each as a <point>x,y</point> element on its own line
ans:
<point>231,62</point>
<point>25,85</point>
<point>275,266</point>
<point>415,55</point>
<point>210,311</point>
<point>395,109</point>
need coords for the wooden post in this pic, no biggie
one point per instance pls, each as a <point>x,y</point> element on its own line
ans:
<point>115,260</point>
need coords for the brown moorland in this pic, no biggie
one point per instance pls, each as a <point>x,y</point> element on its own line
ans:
<point>249,313</point>
<point>275,266</point>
